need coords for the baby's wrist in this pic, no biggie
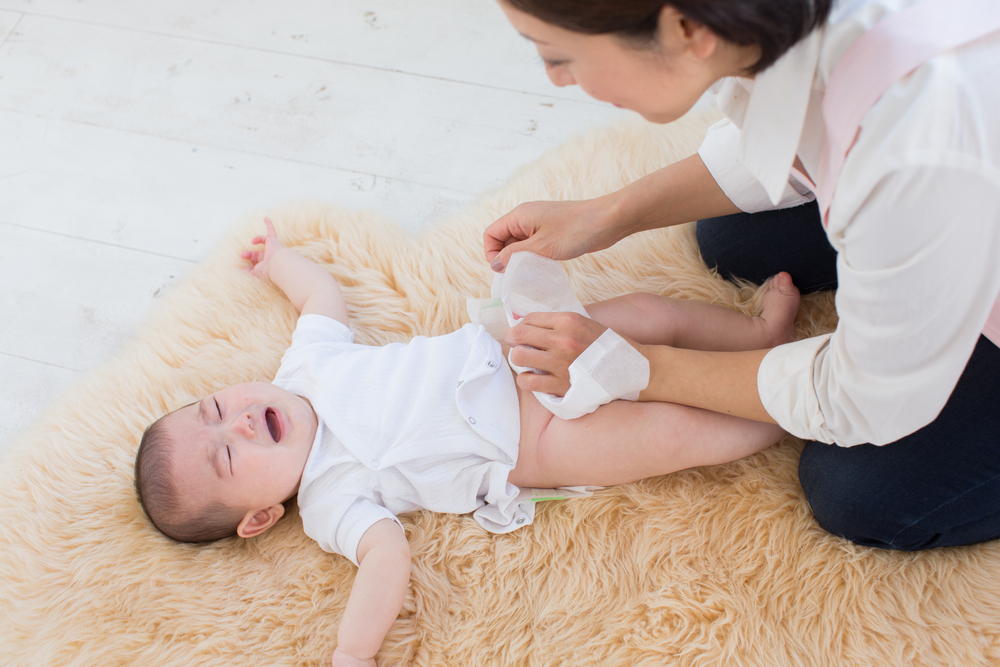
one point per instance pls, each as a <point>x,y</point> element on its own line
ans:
<point>279,257</point>
<point>342,658</point>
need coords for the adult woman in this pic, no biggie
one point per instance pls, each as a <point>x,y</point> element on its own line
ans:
<point>911,235</point>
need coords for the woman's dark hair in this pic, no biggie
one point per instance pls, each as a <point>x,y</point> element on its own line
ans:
<point>771,25</point>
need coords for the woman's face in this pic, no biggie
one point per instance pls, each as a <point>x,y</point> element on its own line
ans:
<point>661,82</point>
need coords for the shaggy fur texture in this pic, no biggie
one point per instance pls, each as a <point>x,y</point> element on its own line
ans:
<point>713,566</point>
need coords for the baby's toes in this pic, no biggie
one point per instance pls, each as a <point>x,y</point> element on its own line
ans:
<point>779,307</point>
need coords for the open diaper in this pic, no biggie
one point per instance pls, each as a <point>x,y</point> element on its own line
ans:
<point>607,370</point>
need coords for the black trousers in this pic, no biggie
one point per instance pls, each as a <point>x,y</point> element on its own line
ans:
<point>939,486</point>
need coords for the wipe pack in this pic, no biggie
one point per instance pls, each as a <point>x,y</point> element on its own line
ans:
<point>610,368</point>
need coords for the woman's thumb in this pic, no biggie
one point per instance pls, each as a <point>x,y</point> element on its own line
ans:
<point>499,263</point>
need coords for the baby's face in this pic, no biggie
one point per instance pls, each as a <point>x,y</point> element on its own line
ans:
<point>245,446</point>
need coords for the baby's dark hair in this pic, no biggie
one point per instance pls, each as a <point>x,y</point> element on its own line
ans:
<point>160,498</point>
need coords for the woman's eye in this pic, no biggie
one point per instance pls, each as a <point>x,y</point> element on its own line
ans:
<point>552,63</point>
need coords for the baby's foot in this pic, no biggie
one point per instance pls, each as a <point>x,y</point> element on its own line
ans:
<point>776,322</point>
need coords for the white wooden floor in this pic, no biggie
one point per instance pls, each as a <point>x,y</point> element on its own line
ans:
<point>133,133</point>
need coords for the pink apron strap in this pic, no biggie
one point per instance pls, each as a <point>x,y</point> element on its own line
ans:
<point>896,46</point>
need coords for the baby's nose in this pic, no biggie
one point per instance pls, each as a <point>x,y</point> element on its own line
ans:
<point>243,425</point>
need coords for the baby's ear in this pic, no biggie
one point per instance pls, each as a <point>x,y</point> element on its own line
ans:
<point>257,521</point>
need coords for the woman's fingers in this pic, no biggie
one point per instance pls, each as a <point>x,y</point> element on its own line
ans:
<point>565,333</point>
<point>554,229</point>
<point>502,237</point>
<point>547,384</point>
<point>499,262</point>
<point>540,360</point>
<point>496,237</point>
<point>550,342</point>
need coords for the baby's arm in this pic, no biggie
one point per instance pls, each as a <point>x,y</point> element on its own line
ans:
<point>305,283</point>
<point>377,595</point>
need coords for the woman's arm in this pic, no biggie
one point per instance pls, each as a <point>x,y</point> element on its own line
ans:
<point>719,381</point>
<point>917,278</point>
<point>678,193</point>
<point>913,296</point>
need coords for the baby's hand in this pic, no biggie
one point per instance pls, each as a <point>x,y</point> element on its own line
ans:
<point>343,659</point>
<point>260,260</point>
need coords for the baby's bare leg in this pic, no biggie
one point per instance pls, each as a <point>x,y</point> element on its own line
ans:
<point>624,441</point>
<point>660,320</point>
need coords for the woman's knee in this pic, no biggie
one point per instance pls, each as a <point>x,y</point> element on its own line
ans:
<point>845,498</point>
<point>755,246</point>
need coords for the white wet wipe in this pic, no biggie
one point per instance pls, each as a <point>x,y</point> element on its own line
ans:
<point>610,368</point>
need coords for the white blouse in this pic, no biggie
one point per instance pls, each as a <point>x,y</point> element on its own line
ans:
<point>915,220</point>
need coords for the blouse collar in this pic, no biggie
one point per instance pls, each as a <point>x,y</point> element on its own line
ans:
<point>776,113</point>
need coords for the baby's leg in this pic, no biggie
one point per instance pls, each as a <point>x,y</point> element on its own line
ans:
<point>660,320</point>
<point>624,441</point>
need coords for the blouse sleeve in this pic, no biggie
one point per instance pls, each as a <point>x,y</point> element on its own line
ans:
<point>720,153</point>
<point>918,277</point>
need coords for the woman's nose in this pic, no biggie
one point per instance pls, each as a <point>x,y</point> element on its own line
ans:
<point>561,77</point>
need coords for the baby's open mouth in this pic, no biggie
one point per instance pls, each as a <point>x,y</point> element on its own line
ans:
<point>272,424</point>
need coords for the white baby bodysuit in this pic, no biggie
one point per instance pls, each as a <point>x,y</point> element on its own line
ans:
<point>430,424</point>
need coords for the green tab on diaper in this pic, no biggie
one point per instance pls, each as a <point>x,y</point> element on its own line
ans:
<point>495,302</point>
<point>538,495</point>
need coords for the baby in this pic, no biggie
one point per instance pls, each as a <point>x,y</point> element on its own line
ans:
<point>363,433</point>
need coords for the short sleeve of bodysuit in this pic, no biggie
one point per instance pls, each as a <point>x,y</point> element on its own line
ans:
<point>312,330</point>
<point>336,521</point>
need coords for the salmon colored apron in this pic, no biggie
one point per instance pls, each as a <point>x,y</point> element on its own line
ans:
<point>896,46</point>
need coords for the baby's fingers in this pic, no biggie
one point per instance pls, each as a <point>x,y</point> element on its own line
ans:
<point>253,255</point>
<point>257,240</point>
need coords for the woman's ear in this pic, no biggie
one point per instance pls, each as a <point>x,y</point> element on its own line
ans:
<point>256,522</point>
<point>677,33</point>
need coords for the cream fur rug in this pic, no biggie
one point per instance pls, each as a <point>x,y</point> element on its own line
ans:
<point>714,566</point>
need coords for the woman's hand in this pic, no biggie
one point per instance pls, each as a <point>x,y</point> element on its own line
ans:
<point>678,193</point>
<point>555,229</point>
<point>558,339</point>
